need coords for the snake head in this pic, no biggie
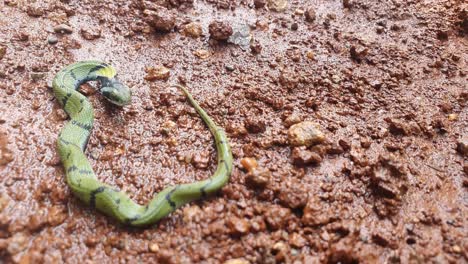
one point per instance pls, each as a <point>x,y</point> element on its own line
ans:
<point>116,92</point>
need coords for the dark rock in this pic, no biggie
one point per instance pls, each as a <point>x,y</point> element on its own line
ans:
<point>462,146</point>
<point>358,53</point>
<point>35,11</point>
<point>344,144</point>
<point>334,149</point>
<point>442,35</point>
<point>310,14</point>
<point>294,26</point>
<point>220,30</point>
<point>347,4</point>
<point>259,3</point>
<point>90,34</point>
<point>302,156</point>
<point>3,50</point>
<point>162,20</point>
<point>397,127</point>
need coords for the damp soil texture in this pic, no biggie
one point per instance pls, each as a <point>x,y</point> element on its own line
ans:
<point>347,121</point>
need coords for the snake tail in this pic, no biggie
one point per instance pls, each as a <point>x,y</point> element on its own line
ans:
<point>74,137</point>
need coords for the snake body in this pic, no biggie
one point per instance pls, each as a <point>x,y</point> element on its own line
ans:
<point>74,137</point>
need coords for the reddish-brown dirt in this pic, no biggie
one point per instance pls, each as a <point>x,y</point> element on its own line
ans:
<point>378,90</point>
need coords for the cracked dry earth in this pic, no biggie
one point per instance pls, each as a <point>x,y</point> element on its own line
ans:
<point>347,120</point>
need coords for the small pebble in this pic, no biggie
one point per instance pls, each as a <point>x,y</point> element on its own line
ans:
<point>292,119</point>
<point>259,3</point>
<point>398,127</point>
<point>229,67</point>
<point>294,26</point>
<point>258,178</point>
<point>305,133</point>
<point>202,54</point>
<point>344,143</point>
<point>36,76</point>
<point>249,164</point>
<point>277,5</point>
<point>299,12</point>
<point>52,40</point>
<point>310,55</point>
<point>379,29</point>
<point>347,4</point>
<point>35,11</point>
<point>193,30</point>
<point>310,15</point>
<point>153,247</point>
<point>301,156</point>
<point>162,20</point>
<point>172,142</point>
<point>262,25</point>
<point>457,249</point>
<point>91,241</point>
<point>280,247</point>
<point>366,143</point>
<point>462,146</point>
<point>255,46</point>
<point>63,29</point>
<point>255,125</point>
<point>358,53</point>
<point>220,30</point>
<point>277,217</point>
<point>293,197</point>
<point>90,34</point>
<point>157,73</point>
<point>201,159</point>
<point>452,117</point>
<point>22,36</point>
<point>238,226</point>
<point>3,50</point>
<point>168,127</point>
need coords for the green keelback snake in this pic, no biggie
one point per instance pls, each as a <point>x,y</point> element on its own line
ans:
<point>75,134</point>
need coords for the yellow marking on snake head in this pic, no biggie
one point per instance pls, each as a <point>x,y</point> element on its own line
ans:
<point>108,72</point>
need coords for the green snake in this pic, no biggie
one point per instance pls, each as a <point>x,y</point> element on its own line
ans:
<point>75,134</point>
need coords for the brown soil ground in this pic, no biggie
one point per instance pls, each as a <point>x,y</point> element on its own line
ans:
<point>385,82</point>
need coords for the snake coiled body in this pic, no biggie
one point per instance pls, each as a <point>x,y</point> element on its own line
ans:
<point>74,137</point>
